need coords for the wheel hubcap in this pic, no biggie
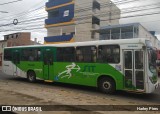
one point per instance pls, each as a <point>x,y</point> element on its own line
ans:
<point>106,85</point>
<point>31,77</point>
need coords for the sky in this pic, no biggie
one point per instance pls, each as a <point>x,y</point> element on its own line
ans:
<point>26,10</point>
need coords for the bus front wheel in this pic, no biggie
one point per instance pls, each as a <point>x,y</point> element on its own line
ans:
<point>31,76</point>
<point>106,85</point>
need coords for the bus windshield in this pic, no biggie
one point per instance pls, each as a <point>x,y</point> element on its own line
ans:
<point>152,57</point>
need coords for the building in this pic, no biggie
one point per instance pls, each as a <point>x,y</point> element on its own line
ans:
<point>18,39</point>
<point>127,31</point>
<point>75,20</point>
<point>15,39</point>
<point>3,43</point>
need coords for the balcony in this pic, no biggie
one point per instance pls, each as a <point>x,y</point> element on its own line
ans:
<point>57,20</point>
<point>60,15</point>
<point>55,3</point>
<point>57,39</point>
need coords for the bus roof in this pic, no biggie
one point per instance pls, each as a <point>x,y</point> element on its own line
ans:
<point>88,43</point>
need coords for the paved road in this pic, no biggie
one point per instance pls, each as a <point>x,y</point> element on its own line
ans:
<point>152,98</point>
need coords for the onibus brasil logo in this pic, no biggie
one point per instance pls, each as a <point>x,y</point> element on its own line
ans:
<point>67,72</point>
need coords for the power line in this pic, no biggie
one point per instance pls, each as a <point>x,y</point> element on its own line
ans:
<point>87,7</point>
<point>78,23</point>
<point>42,7</point>
<point>35,19</point>
<point>25,12</point>
<point>10,2</point>
<point>83,16</point>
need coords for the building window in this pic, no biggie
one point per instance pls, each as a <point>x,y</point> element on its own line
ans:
<point>53,13</point>
<point>66,54</point>
<point>109,53</point>
<point>12,36</point>
<point>95,20</point>
<point>86,54</point>
<point>105,35</point>
<point>31,54</point>
<point>93,35</point>
<point>115,33</point>
<point>96,5</point>
<point>7,37</point>
<point>136,32</point>
<point>127,32</point>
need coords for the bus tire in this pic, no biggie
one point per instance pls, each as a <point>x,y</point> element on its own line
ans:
<point>106,85</point>
<point>31,76</point>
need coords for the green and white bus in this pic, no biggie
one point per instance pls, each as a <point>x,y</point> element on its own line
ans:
<point>125,64</point>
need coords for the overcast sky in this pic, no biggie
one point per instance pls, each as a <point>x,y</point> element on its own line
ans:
<point>21,10</point>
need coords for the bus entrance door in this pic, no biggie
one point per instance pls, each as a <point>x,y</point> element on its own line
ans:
<point>47,64</point>
<point>134,69</point>
<point>16,62</point>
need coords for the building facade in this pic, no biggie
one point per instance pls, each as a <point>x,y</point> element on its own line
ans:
<point>18,39</point>
<point>3,43</point>
<point>127,31</point>
<point>75,20</point>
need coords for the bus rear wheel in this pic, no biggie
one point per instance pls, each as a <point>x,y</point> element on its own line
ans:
<point>31,76</point>
<point>106,85</point>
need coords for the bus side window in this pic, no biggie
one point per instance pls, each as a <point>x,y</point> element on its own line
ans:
<point>33,54</point>
<point>94,53</point>
<point>79,55</point>
<point>109,53</point>
<point>7,55</point>
<point>102,54</point>
<point>86,54</point>
<point>39,54</point>
<point>66,54</point>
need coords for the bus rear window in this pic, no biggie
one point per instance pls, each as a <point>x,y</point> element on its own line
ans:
<point>7,55</point>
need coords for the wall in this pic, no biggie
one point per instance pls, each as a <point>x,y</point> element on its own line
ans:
<point>110,13</point>
<point>83,19</point>
<point>2,45</point>
<point>82,24</point>
<point>18,39</point>
<point>143,33</point>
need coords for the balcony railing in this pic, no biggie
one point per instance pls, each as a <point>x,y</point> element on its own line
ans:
<point>57,20</point>
<point>65,14</point>
<point>62,38</point>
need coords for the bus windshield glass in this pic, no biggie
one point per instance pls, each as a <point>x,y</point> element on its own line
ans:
<point>152,56</point>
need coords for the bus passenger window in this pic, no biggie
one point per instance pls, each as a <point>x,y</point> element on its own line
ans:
<point>79,55</point>
<point>33,54</point>
<point>109,53</point>
<point>66,54</point>
<point>31,58</point>
<point>86,54</point>
<point>7,55</point>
